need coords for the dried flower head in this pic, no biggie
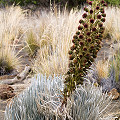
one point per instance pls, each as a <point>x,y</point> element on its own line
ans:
<point>86,9</point>
<point>80,27</point>
<point>75,37</point>
<point>73,47</point>
<point>85,48</point>
<point>102,1</point>
<point>97,8</point>
<point>97,36</point>
<point>81,43</point>
<point>91,11</point>
<point>90,2</point>
<point>89,40</point>
<point>84,15</point>
<point>73,40</point>
<point>101,31</point>
<point>81,36</point>
<point>92,47</point>
<point>88,33</point>
<point>103,19</point>
<point>81,21</point>
<point>70,52</point>
<point>77,32</point>
<point>104,15</point>
<point>87,55</point>
<point>98,16</point>
<point>71,57</point>
<point>105,4</point>
<point>81,55</point>
<point>93,29</point>
<point>85,25</point>
<point>100,24</point>
<point>92,20</point>
<point>75,60</point>
<point>102,10</point>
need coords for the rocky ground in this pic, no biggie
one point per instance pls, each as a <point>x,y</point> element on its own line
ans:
<point>18,88</point>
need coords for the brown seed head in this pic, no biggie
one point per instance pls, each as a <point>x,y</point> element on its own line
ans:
<point>84,15</point>
<point>91,11</point>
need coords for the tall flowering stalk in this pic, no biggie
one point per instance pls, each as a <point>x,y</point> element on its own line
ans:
<point>86,44</point>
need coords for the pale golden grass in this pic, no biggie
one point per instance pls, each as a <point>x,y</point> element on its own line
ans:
<point>51,31</point>
<point>55,41</point>
<point>112,24</point>
<point>10,19</point>
<point>112,34</point>
<point>8,56</point>
<point>32,43</point>
<point>55,35</point>
<point>10,25</point>
<point>102,68</point>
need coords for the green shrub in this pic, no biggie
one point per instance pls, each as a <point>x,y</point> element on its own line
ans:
<point>20,2</point>
<point>70,3</point>
<point>113,2</point>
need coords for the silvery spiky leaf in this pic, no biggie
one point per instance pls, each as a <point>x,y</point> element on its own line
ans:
<point>87,103</point>
<point>39,102</point>
<point>43,101</point>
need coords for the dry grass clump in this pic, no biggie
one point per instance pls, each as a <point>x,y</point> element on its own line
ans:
<point>115,65</point>
<point>102,68</point>
<point>55,40</point>
<point>10,19</point>
<point>109,28</point>
<point>8,61</point>
<point>54,33</point>
<point>32,44</point>
<point>112,24</point>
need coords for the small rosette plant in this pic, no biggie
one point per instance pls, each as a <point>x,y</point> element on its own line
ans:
<point>86,44</point>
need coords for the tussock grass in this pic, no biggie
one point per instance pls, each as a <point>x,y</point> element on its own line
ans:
<point>112,24</point>
<point>8,61</point>
<point>102,68</point>
<point>10,19</point>
<point>49,34</point>
<point>55,41</point>
<point>115,65</point>
<point>32,44</point>
<point>55,35</point>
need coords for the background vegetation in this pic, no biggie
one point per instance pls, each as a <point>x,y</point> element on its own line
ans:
<point>46,3</point>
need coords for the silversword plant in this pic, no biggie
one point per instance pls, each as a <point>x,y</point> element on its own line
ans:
<point>86,44</point>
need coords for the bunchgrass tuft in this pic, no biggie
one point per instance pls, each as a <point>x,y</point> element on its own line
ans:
<point>9,61</point>
<point>55,41</point>
<point>102,68</point>
<point>32,44</point>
